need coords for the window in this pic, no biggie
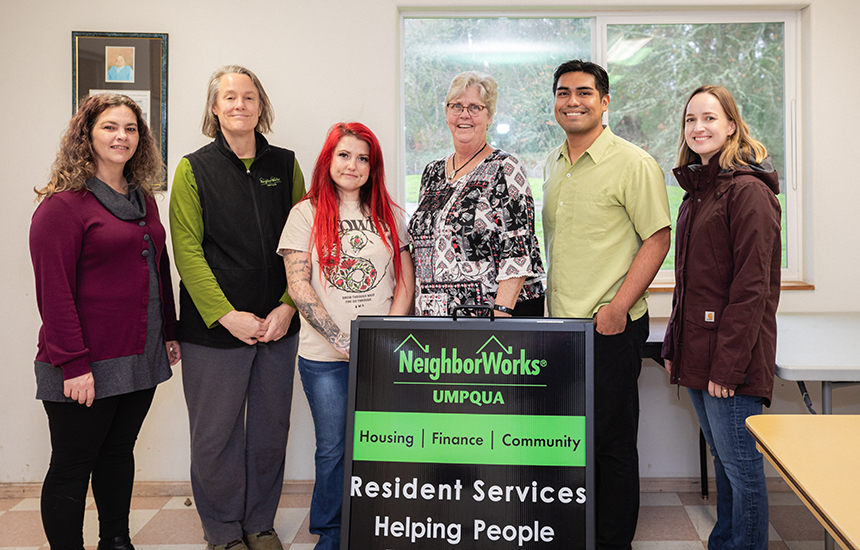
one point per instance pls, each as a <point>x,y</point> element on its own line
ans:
<point>654,62</point>
<point>654,66</point>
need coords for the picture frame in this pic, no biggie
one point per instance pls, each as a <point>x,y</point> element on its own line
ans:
<point>130,63</point>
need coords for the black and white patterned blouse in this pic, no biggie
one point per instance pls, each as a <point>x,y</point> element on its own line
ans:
<point>471,233</point>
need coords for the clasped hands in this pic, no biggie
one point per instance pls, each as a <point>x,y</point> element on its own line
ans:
<point>251,329</point>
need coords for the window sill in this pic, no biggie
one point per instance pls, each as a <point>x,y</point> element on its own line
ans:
<point>656,288</point>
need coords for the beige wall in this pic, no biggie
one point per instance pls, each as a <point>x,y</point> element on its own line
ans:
<point>335,60</point>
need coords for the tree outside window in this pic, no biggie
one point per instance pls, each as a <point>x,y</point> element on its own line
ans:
<point>652,69</point>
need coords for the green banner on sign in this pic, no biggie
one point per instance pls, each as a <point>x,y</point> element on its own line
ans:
<point>469,438</point>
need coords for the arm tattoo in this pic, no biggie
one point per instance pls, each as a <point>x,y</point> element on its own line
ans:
<point>299,272</point>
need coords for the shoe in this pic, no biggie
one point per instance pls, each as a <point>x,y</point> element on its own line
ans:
<point>264,540</point>
<point>115,543</point>
<point>238,544</point>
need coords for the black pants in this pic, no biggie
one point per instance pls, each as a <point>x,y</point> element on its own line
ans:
<point>530,308</point>
<point>97,440</point>
<point>617,363</point>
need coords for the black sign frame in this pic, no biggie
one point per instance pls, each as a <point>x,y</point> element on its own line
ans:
<point>365,368</point>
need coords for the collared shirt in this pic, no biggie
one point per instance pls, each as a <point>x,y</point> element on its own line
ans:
<point>596,213</point>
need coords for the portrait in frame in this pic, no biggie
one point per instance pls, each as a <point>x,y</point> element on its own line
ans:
<point>139,65</point>
<point>119,64</point>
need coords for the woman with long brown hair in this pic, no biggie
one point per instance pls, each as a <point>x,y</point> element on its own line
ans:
<point>108,333</point>
<point>721,340</point>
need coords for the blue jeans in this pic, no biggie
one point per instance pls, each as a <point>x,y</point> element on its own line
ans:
<point>325,384</point>
<point>742,513</point>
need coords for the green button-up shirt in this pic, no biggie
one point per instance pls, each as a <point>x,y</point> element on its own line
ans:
<point>596,213</point>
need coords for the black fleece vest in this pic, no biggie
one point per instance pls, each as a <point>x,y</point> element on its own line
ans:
<point>244,212</point>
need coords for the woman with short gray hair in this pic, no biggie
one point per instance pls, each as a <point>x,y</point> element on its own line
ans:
<point>473,231</point>
<point>230,200</point>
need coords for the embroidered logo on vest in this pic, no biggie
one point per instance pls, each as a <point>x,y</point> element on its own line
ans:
<point>270,182</point>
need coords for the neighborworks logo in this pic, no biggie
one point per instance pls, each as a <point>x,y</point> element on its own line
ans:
<point>270,182</point>
<point>493,358</point>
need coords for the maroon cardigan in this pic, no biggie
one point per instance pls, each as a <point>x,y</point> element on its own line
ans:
<point>92,281</point>
<point>727,279</point>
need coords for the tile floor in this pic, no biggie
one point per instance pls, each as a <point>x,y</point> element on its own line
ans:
<point>667,521</point>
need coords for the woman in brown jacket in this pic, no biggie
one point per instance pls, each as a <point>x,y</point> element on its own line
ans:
<point>721,340</point>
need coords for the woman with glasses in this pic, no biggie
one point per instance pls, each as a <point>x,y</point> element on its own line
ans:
<point>237,323</point>
<point>473,231</point>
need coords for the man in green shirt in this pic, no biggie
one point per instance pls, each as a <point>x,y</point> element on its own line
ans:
<point>607,229</point>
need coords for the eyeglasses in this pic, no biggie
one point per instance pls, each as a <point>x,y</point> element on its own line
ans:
<point>457,108</point>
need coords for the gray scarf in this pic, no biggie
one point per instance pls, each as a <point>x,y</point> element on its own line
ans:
<point>125,207</point>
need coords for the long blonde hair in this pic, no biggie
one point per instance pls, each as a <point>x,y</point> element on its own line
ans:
<point>740,147</point>
<point>75,162</point>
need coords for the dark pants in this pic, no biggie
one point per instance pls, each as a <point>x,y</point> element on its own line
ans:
<point>530,308</point>
<point>617,363</point>
<point>239,403</point>
<point>97,440</point>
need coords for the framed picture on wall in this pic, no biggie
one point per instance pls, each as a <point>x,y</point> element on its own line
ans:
<point>134,64</point>
<point>119,64</point>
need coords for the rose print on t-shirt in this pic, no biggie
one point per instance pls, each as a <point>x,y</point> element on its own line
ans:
<point>354,274</point>
<point>357,241</point>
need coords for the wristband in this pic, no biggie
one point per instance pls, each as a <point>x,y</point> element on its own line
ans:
<point>503,309</point>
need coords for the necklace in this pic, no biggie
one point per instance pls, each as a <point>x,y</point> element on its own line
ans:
<point>454,164</point>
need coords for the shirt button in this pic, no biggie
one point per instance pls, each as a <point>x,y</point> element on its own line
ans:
<point>145,253</point>
<point>568,175</point>
<point>561,203</point>
<point>141,223</point>
<point>146,237</point>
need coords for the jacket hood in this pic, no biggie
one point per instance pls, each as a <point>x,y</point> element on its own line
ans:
<point>764,171</point>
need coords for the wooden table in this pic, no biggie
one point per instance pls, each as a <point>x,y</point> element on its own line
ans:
<point>819,457</point>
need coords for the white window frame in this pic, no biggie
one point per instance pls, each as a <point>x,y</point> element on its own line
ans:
<point>600,21</point>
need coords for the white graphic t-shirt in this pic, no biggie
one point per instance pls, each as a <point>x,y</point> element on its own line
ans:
<point>361,284</point>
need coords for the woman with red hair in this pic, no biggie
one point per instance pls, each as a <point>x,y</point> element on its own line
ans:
<point>344,247</point>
